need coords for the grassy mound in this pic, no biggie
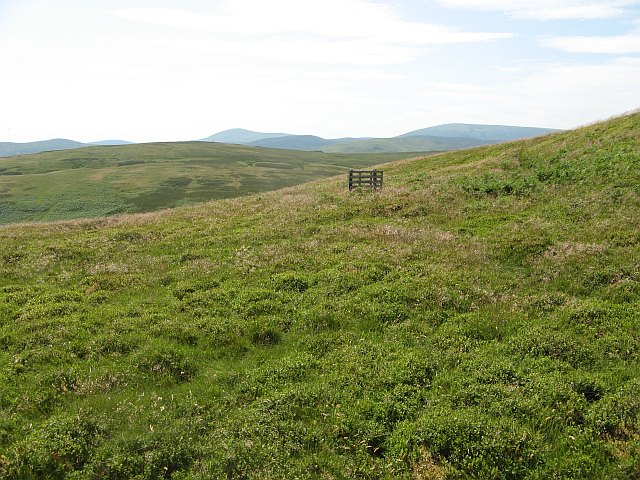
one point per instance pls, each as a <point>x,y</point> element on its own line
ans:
<point>479,318</point>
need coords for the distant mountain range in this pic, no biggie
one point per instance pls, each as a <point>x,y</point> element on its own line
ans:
<point>241,136</point>
<point>418,143</point>
<point>9,149</point>
<point>490,133</point>
<point>451,136</point>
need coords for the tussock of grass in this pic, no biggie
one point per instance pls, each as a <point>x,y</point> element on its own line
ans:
<point>479,317</point>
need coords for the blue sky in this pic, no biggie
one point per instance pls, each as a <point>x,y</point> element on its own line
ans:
<point>166,70</point>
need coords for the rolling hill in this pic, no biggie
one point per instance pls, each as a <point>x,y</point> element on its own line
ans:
<point>478,318</point>
<point>487,133</point>
<point>440,138</point>
<point>99,181</point>
<point>9,149</point>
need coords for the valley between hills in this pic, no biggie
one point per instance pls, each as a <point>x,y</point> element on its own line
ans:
<point>63,179</point>
<point>109,180</point>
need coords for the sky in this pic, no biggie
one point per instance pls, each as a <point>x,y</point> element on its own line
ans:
<point>164,70</point>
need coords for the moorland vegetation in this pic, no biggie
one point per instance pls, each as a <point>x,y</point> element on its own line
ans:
<point>110,180</point>
<point>478,318</point>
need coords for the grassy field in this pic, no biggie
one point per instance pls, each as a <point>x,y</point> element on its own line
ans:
<point>100,181</point>
<point>478,318</point>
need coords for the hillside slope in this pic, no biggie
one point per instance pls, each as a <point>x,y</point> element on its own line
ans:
<point>98,181</point>
<point>478,318</point>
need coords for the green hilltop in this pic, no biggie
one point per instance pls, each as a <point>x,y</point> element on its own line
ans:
<point>478,318</point>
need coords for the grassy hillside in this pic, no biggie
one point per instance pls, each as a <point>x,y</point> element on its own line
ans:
<point>478,318</point>
<point>99,181</point>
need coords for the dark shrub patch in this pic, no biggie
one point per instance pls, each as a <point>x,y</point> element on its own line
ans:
<point>166,362</point>
<point>291,282</point>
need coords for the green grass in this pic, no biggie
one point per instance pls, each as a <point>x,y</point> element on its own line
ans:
<point>478,318</point>
<point>101,181</point>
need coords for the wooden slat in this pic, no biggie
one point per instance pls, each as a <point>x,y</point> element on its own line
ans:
<point>366,178</point>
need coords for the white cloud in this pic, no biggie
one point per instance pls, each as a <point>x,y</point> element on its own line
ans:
<point>575,83</point>
<point>345,19</point>
<point>332,31</point>
<point>307,50</point>
<point>332,68</point>
<point>617,44</point>
<point>550,9</point>
<point>549,95</point>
